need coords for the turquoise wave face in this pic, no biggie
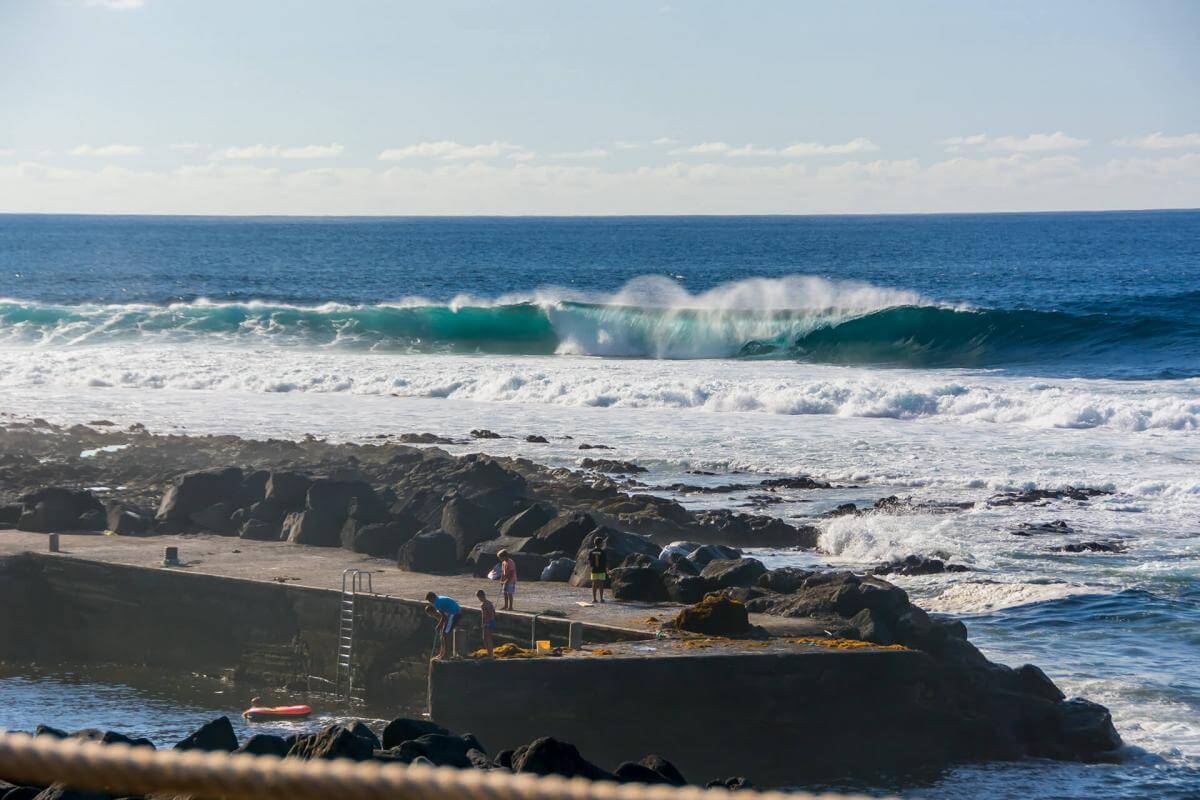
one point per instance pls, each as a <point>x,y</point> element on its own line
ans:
<point>911,335</point>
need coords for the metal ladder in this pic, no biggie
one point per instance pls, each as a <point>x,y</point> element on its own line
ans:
<point>353,582</point>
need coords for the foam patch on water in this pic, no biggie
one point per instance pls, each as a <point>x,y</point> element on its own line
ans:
<point>979,597</point>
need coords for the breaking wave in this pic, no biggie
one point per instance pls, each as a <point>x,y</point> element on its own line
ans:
<point>799,318</point>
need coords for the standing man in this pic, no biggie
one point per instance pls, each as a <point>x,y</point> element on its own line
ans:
<point>508,578</point>
<point>598,562</point>
<point>446,611</point>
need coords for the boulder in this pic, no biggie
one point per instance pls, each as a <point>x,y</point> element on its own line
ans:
<point>1085,731</point>
<point>702,556</point>
<point>444,750</point>
<point>665,768</point>
<point>549,756</point>
<point>644,584</point>
<point>334,741</point>
<point>56,509</point>
<point>558,570</point>
<point>126,520</point>
<point>484,433</point>
<point>734,784</point>
<point>618,546</point>
<point>715,615</point>
<point>872,627</point>
<point>687,589</point>
<point>253,489</point>
<point>313,527</point>
<point>379,539</point>
<point>215,518</point>
<point>434,552</point>
<point>751,530</point>
<point>109,737</point>
<point>740,572</point>
<point>9,514</point>
<point>215,736</point>
<point>783,580</point>
<point>633,772</point>
<point>403,729</point>
<point>196,491</point>
<point>287,490</point>
<point>339,499</point>
<point>564,532</point>
<point>468,524</point>
<point>360,729</point>
<point>1033,681</point>
<point>527,522</point>
<point>265,744</point>
<point>918,565</point>
<point>612,466</point>
<point>260,531</point>
<point>93,520</point>
<point>676,550</point>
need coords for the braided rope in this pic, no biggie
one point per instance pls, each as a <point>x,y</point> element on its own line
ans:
<point>122,769</point>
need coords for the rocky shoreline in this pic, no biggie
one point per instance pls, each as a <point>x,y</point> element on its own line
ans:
<point>401,741</point>
<point>439,513</point>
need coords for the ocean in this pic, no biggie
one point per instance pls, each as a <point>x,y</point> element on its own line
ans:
<point>943,357</point>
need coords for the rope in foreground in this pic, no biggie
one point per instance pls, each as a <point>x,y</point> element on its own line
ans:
<point>121,769</point>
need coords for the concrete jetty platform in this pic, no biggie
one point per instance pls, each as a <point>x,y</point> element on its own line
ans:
<point>781,712</point>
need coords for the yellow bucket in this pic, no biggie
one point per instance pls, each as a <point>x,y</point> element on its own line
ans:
<point>543,646</point>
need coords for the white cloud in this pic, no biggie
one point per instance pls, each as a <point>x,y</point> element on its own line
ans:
<point>115,5</point>
<point>107,151</point>
<point>796,150</point>
<point>186,147</point>
<point>1160,141</point>
<point>622,144</point>
<point>595,152</point>
<point>1033,143</point>
<point>450,151</point>
<point>999,182</point>
<point>665,141</point>
<point>260,151</point>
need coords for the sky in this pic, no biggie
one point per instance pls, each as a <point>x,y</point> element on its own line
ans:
<point>614,107</point>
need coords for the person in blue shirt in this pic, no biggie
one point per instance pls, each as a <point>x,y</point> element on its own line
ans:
<point>447,612</point>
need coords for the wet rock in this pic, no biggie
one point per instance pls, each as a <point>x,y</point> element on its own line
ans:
<point>800,482</point>
<point>46,730</point>
<point>527,522</point>
<point>484,433</point>
<point>715,615</point>
<point>549,756</point>
<point>843,510</point>
<point>783,580</point>
<point>703,556</point>
<point>1057,527</point>
<point>752,530</point>
<point>1035,682</point>
<point>1086,731</point>
<point>56,509</point>
<point>434,552</point>
<point>594,447</point>
<point>534,438</point>
<point>1093,547</point>
<point>287,490</point>
<point>644,584</point>
<point>918,565</point>
<point>334,741</point>
<point>215,736</point>
<point>468,524</point>
<point>109,737</point>
<point>195,491</point>
<point>559,570</point>
<point>404,729</point>
<point>1042,496</point>
<point>479,759</point>
<point>726,574</point>
<point>612,466</point>
<point>265,744</point>
<point>423,438</point>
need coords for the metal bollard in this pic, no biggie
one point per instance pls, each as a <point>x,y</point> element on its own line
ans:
<point>171,557</point>
<point>575,635</point>
<point>53,542</point>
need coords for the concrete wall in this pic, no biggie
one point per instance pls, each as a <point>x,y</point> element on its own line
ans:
<point>775,718</point>
<point>69,609</point>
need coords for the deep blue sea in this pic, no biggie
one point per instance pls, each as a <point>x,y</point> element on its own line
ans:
<point>943,358</point>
